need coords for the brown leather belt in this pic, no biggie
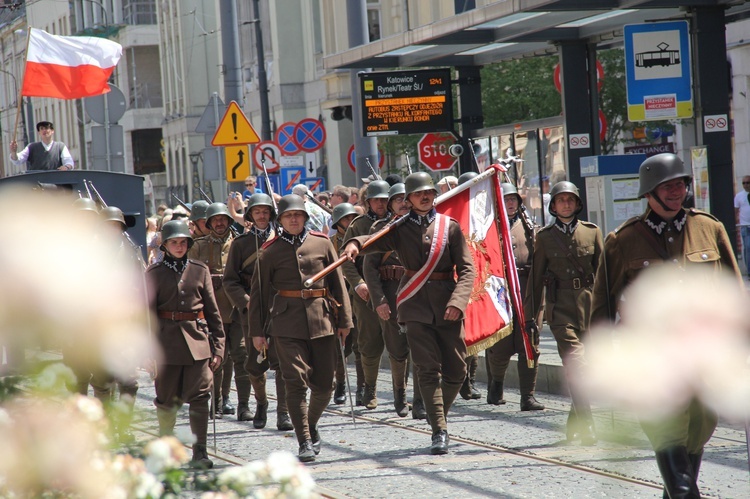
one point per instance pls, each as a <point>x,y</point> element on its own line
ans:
<point>391,272</point>
<point>303,293</point>
<point>435,276</point>
<point>576,283</point>
<point>180,316</point>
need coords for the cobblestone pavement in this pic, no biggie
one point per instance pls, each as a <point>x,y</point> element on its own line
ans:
<point>496,451</point>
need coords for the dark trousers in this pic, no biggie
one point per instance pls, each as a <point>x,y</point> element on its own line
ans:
<point>691,428</point>
<point>499,355</point>
<point>236,355</point>
<point>438,353</point>
<point>176,385</point>
<point>369,338</point>
<point>571,350</point>
<point>307,364</point>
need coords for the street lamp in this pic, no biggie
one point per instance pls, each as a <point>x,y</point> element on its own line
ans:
<point>104,10</point>
<point>23,116</point>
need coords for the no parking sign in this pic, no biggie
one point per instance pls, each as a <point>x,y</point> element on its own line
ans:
<point>309,135</point>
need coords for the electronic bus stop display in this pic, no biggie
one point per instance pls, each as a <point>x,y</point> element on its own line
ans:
<point>405,102</point>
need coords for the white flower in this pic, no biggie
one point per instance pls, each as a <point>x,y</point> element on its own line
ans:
<point>282,466</point>
<point>148,486</point>
<point>55,378</point>
<point>5,420</point>
<point>241,479</point>
<point>90,407</point>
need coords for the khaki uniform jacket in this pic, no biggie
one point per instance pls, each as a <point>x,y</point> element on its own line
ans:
<point>214,252</point>
<point>238,272</point>
<point>381,291</point>
<point>523,250</point>
<point>360,226</point>
<point>286,266</point>
<point>702,241</point>
<point>412,242</point>
<point>184,342</point>
<point>563,307</point>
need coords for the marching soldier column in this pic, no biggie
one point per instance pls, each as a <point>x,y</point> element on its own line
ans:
<point>242,262</point>
<point>382,274</point>
<point>369,329</point>
<point>342,217</point>
<point>213,250</point>
<point>306,324</point>
<point>438,278</point>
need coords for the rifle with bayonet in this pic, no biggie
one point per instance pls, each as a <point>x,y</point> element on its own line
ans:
<point>181,203</point>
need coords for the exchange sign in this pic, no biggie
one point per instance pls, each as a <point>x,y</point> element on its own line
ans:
<point>405,102</point>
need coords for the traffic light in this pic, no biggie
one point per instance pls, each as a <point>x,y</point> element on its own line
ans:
<point>338,113</point>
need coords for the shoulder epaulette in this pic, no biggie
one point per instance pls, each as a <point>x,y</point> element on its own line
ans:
<point>197,262</point>
<point>694,211</point>
<point>627,223</point>
<point>318,233</point>
<point>152,266</point>
<point>588,224</point>
<point>269,242</point>
<point>244,234</point>
<point>546,227</point>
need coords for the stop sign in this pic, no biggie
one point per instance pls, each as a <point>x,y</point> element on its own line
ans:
<point>433,151</point>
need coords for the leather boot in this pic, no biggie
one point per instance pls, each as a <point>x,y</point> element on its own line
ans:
<point>227,407</point>
<point>243,412</point>
<point>471,371</point>
<point>530,403</point>
<point>439,442</point>
<point>400,403</point>
<point>495,393</point>
<point>695,460</point>
<point>283,422</point>
<point>316,440</point>
<point>370,398</point>
<point>359,398</point>
<point>200,458</point>
<point>339,394</point>
<point>306,452</point>
<point>261,415</point>
<point>398,373</point>
<point>466,389</point>
<point>678,473</point>
<point>450,392</point>
<point>417,409</point>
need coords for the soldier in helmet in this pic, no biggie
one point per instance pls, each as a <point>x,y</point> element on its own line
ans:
<point>198,219</point>
<point>306,324</point>
<point>565,261</point>
<point>671,235</point>
<point>343,214</point>
<point>213,250</point>
<point>369,332</point>
<point>382,274</point>
<point>430,300</point>
<point>522,235</point>
<point>242,262</point>
<point>181,294</point>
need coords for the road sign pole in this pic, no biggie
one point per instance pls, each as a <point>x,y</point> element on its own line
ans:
<point>222,167</point>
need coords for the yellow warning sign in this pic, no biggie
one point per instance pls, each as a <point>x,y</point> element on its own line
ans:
<point>234,129</point>
<point>237,162</point>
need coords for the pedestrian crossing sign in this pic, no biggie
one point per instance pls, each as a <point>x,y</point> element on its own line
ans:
<point>234,129</point>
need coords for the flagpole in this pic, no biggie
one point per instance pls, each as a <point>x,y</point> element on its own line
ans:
<point>19,102</point>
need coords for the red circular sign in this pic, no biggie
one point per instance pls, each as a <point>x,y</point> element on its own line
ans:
<point>602,125</point>
<point>309,134</point>
<point>285,138</point>
<point>599,76</point>
<point>270,152</point>
<point>351,158</point>
<point>433,151</point>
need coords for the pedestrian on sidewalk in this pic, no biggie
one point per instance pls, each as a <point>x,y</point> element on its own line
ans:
<point>190,334</point>
<point>565,262</point>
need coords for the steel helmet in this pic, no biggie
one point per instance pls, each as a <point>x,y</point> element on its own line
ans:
<point>340,211</point>
<point>510,189</point>
<point>378,189</point>
<point>465,177</point>
<point>292,202</point>
<point>659,169</point>
<point>259,199</point>
<point>559,188</point>
<point>198,210</point>
<point>418,182</point>
<point>113,214</point>
<point>85,204</point>
<point>395,190</point>
<point>174,229</point>
<point>216,209</point>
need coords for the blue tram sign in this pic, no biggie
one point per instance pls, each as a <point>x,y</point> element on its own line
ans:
<point>657,69</point>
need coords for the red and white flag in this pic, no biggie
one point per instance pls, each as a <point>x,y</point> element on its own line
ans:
<point>68,67</point>
<point>479,209</point>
